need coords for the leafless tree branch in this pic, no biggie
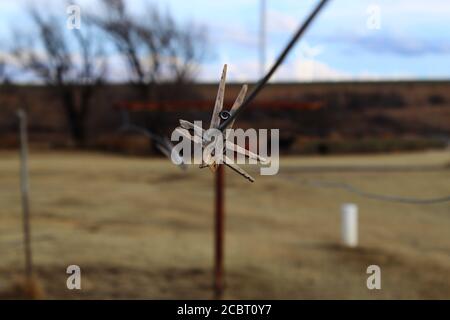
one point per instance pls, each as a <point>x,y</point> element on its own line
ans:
<point>73,73</point>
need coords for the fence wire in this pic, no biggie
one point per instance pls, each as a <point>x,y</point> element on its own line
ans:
<point>374,196</point>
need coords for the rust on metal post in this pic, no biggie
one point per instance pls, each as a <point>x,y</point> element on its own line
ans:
<point>219,233</point>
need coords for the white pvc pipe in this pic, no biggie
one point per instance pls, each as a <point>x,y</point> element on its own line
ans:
<point>349,212</point>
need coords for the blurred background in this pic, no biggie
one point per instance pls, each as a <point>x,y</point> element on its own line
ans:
<point>363,108</point>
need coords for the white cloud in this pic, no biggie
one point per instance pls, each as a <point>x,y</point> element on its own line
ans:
<point>403,8</point>
<point>298,70</point>
<point>233,34</point>
<point>309,70</point>
<point>278,21</point>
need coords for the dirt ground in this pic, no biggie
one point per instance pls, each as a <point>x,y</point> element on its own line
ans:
<point>142,228</point>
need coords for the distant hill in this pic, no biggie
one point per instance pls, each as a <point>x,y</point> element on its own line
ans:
<point>304,112</point>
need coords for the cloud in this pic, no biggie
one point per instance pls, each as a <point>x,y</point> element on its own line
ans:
<point>404,45</point>
<point>391,43</point>
<point>278,21</point>
<point>309,51</point>
<point>241,71</point>
<point>297,70</point>
<point>432,8</point>
<point>309,70</point>
<point>234,33</point>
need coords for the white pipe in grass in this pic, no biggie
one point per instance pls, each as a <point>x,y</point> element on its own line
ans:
<point>349,212</point>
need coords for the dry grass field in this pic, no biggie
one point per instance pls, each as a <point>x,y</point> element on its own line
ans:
<point>142,228</point>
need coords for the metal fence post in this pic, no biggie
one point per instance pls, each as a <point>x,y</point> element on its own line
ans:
<point>219,233</point>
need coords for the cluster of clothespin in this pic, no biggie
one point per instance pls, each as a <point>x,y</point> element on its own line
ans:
<point>201,137</point>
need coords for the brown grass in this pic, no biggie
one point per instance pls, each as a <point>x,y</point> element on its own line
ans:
<point>23,288</point>
<point>142,228</point>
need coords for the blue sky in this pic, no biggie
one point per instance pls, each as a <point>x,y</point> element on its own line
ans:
<point>413,41</point>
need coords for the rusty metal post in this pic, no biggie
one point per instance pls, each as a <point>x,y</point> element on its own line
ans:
<point>24,187</point>
<point>219,233</point>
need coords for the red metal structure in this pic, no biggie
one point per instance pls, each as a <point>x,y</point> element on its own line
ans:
<point>205,105</point>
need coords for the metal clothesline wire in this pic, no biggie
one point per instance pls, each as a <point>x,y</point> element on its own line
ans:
<point>259,86</point>
<point>323,184</point>
<point>128,126</point>
<point>326,184</point>
<point>375,196</point>
<point>132,127</point>
<point>263,81</point>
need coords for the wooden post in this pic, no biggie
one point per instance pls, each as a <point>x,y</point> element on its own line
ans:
<point>219,233</point>
<point>24,192</point>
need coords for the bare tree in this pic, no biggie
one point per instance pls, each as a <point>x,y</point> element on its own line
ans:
<point>2,71</point>
<point>72,73</point>
<point>162,55</point>
<point>4,75</point>
<point>156,48</point>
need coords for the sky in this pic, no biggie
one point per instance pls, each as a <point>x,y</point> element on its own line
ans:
<point>350,40</point>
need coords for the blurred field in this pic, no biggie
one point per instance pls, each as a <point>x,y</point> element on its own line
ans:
<point>142,228</point>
